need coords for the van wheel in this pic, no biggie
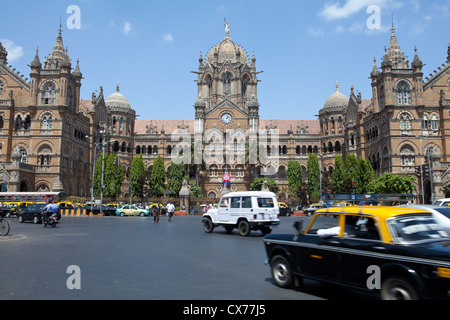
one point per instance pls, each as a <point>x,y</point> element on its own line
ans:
<point>397,289</point>
<point>244,228</point>
<point>208,226</point>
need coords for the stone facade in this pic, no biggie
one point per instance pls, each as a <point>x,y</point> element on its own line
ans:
<point>49,136</point>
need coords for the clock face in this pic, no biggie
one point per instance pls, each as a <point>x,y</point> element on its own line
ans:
<point>2,87</point>
<point>227,118</point>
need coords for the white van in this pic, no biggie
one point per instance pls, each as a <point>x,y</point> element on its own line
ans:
<point>245,211</point>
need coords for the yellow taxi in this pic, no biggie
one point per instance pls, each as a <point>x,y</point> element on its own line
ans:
<point>65,205</point>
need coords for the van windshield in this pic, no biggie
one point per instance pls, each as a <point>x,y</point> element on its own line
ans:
<point>265,203</point>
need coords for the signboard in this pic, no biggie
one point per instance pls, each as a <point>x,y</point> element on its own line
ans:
<point>226,177</point>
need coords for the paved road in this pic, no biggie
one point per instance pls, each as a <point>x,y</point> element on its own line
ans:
<point>133,258</point>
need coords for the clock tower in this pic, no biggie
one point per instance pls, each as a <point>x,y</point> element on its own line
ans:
<point>227,81</point>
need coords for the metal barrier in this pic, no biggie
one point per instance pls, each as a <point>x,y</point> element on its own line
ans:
<point>73,212</point>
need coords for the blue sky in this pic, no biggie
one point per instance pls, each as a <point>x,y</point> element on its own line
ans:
<point>151,47</point>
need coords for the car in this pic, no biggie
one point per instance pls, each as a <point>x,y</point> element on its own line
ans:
<point>395,252</point>
<point>32,213</point>
<point>440,213</point>
<point>5,211</point>
<point>144,212</point>
<point>285,210</point>
<point>127,210</point>
<point>245,211</point>
<point>66,205</point>
<point>312,209</point>
<point>442,202</point>
<point>95,210</point>
<point>17,207</point>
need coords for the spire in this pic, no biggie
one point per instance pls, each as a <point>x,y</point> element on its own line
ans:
<point>77,71</point>
<point>36,63</point>
<point>448,54</point>
<point>3,55</point>
<point>417,63</point>
<point>394,52</point>
<point>375,71</point>
<point>58,58</point>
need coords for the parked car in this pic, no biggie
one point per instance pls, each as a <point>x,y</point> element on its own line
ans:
<point>107,211</point>
<point>17,207</point>
<point>312,209</point>
<point>127,211</point>
<point>285,210</point>
<point>442,202</point>
<point>397,252</point>
<point>245,211</point>
<point>32,213</point>
<point>66,205</point>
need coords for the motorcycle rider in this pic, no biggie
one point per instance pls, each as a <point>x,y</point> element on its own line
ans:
<point>49,210</point>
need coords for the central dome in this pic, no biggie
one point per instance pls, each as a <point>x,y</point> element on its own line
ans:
<point>117,101</point>
<point>227,50</point>
<point>337,99</point>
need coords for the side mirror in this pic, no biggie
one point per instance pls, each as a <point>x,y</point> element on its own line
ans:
<point>298,225</point>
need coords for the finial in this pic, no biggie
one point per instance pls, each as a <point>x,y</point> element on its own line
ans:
<point>117,89</point>
<point>393,28</point>
<point>337,86</point>
<point>227,28</point>
<point>60,24</point>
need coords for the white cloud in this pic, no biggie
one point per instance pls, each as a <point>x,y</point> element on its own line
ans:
<point>334,10</point>
<point>15,52</point>
<point>127,28</point>
<point>315,32</point>
<point>168,37</point>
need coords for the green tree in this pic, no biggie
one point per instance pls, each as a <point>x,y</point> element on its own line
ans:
<point>393,183</point>
<point>158,177</point>
<point>365,176</point>
<point>114,175</point>
<point>137,176</point>
<point>338,175</point>
<point>175,179</point>
<point>294,177</point>
<point>313,176</point>
<point>258,183</point>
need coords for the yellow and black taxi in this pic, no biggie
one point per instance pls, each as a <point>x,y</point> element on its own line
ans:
<point>397,252</point>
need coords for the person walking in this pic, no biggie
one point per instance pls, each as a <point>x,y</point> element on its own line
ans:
<point>171,210</point>
<point>156,213</point>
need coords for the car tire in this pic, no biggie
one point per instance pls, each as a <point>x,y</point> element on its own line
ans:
<point>122,214</point>
<point>21,219</point>
<point>282,272</point>
<point>266,230</point>
<point>35,220</point>
<point>208,225</point>
<point>244,228</point>
<point>398,288</point>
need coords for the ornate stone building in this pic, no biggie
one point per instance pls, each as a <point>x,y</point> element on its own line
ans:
<point>49,134</point>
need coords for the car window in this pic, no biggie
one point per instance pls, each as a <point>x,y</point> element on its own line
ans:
<point>324,222</point>
<point>361,228</point>
<point>414,228</point>
<point>224,203</point>
<point>265,203</point>
<point>444,211</point>
<point>235,203</point>
<point>246,202</point>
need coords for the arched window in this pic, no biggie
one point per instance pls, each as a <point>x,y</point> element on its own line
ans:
<point>434,123</point>
<point>403,94</point>
<point>23,155</point>
<point>49,94</point>
<point>226,78</point>
<point>70,99</point>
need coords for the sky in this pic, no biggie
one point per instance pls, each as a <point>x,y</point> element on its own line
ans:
<point>151,47</point>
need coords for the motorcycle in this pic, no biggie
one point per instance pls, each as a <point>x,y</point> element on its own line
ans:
<point>49,220</point>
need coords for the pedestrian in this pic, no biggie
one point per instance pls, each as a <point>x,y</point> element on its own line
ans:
<point>156,213</point>
<point>171,210</point>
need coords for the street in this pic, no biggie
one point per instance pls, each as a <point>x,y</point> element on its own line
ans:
<point>133,258</point>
